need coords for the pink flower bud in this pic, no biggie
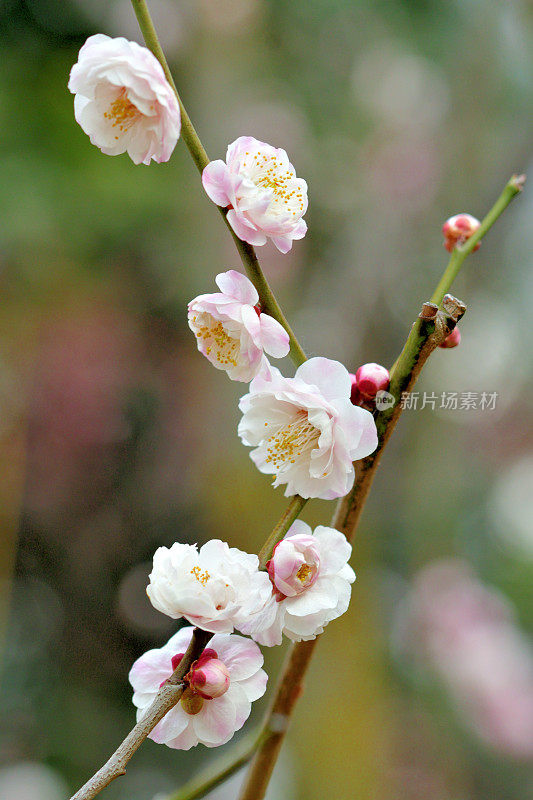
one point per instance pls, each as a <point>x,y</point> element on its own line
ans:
<point>355,395</point>
<point>453,338</point>
<point>458,229</point>
<point>294,565</point>
<point>372,378</point>
<point>208,676</point>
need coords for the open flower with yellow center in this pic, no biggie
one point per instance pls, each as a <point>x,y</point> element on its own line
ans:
<point>216,587</point>
<point>123,100</point>
<point>221,687</point>
<point>305,430</point>
<point>311,585</point>
<point>259,186</point>
<point>230,329</point>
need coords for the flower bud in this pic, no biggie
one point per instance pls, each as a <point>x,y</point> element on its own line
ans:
<point>191,702</point>
<point>453,338</point>
<point>208,676</point>
<point>355,395</point>
<point>294,565</point>
<point>458,229</point>
<point>372,378</point>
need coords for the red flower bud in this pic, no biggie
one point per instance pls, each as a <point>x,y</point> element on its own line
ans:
<point>458,229</point>
<point>453,338</point>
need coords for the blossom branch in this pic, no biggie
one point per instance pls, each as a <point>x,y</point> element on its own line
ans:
<point>199,155</point>
<point>166,698</point>
<point>428,331</point>
<point>170,694</point>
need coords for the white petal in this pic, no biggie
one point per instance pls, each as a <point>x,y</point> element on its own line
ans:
<point>335,550</point>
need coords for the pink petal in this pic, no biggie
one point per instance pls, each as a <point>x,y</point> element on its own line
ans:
<point>172,724</point>
<point>150,670</point>
<point>359,428</point>
<point>245,231</point>
<point>185,740</point>
<point>237,285</point>
<point>331,377</point>
<point>274,337</point>
<point>215,181</point>
<point>216,721</point>
<point>241,656</point>
<point>283,243</point>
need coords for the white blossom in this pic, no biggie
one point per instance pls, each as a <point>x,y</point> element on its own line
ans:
<point>305,429</point>
<point>123,100</point>
<point>216,588</point>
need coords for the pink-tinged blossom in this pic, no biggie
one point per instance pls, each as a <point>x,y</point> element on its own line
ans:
<point>215,588</point>
<point>305,430</point>
<point>311,585</point>
<point>458,229</point>
<point>205,717</point>
<point>259,186</point>
<point>123,100</point>
<point>230,329</point>
<point>467,632</point>
<point>452,340</point>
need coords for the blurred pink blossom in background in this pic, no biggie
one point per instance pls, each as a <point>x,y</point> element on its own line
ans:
<point>466,631</point>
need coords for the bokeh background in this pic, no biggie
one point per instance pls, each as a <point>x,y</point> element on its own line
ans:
<point>117,437</point>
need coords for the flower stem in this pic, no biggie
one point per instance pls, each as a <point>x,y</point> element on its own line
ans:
<point>247,253</point>
<point>424,337</point>
<point>291,513</point>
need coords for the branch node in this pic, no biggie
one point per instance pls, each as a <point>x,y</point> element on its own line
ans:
<point>453,307</point>
<point>517,182</point>
<point>429,311</point>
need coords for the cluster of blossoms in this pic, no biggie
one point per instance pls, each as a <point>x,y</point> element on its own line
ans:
<point>219,589</point>
<point>306,430</point>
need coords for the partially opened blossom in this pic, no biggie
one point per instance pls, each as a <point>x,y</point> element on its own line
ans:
<point>311,585</point>
<point>210,710</point>
<point>305,430</point>
<point>216,587</point>
<point>259,186</point>
<point>123,100</point>
<point>231,331</point>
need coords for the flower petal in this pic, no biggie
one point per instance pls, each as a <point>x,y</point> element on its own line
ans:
<point>237,285</point>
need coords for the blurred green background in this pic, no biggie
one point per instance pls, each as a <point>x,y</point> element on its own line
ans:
<point>117,437</point>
